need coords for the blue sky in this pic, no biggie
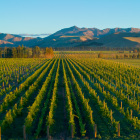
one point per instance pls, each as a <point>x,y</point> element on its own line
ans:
<point>49,16</point>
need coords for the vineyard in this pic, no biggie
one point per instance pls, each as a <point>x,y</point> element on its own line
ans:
<point>69,96</point>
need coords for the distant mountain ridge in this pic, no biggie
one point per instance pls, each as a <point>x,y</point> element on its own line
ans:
<point>11,40</point>
<point>94,32</point>
<point>92,37</point>
<point>75,36</point>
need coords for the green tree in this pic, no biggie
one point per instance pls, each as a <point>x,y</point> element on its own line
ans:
<point>5,52</point>
<point>23,51</point>
<point>36,52</point>
<point>138,55</point>
<point>9,53</point>
<point>19,51</point>
<point>14,52</point>
<point>0,53</point>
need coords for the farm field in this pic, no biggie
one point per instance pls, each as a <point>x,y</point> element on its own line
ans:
<point>69,96</point>
<point>89,52</point>
<point>134,62</point>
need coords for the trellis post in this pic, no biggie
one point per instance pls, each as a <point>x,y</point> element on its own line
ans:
<point>24,132</point>
<point>95,130</point>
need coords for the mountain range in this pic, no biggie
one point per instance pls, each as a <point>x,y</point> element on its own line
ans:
<point>11,40</point>
<point>78,37</point>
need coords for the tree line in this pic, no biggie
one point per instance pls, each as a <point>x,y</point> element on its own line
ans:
<point>25,52</point>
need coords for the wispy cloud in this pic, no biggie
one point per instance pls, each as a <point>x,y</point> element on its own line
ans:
<point>34,35</point>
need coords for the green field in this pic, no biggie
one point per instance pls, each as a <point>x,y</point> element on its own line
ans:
<point>69,96</point>
<point>88,52</point>
<point>134,62</point>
